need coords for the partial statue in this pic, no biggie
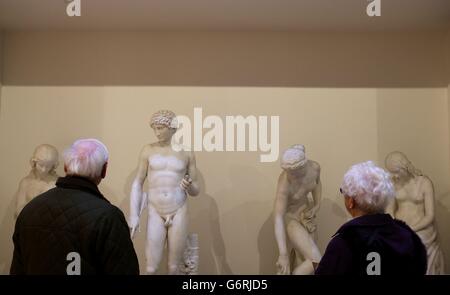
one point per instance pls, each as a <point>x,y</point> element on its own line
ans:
<point>41,178</point>
<point>172,175</point>
<point>189,266</point>
<point>414,204</point>
<point>298,198</point>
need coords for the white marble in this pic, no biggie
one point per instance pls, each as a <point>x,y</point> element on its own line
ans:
<point>172,176</point>
<point>41,178</point>
<point>298,198</point>
<point>415,205</point>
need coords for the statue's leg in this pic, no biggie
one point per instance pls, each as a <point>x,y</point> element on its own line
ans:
<point>156,238</point>
<point>303,243</point>
<point>177,237</point>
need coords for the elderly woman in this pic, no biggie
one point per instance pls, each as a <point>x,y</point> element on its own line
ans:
<point>372,243</point>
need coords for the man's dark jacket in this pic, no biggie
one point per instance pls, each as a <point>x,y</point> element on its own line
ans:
<point>401,252</point>
<point>73,217</point>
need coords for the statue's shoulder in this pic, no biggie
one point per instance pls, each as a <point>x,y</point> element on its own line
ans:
<point>315,165</point>
<point>27,179</point>
<point>147,150</point>
<point>424,181</point>
<point>283,177</point>
<point>150,147</point>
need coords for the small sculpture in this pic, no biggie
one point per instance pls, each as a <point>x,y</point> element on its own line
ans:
<point>414,204</point>
<point>172,176</point>
<point>41,178</point>
<point>298,199</point>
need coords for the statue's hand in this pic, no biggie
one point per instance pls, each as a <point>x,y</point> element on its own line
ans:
<point>283,265</point>
<point>133,224</point>
<point>186,182</point>
<point>310,213</point>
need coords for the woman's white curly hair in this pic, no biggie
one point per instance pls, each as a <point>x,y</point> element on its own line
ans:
<point>370,186</point>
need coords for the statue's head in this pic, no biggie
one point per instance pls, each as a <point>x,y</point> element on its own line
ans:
<point>165,124</point>
<point>45,159</point>
<point>294,158</point>
<point>400,166</point>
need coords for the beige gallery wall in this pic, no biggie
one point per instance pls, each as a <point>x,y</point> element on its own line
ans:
<point>233,213</point>
<point>56,90</point>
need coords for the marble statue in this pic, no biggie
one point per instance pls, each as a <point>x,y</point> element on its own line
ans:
<point>172,176</point>
<point>414,204</point>
<point>41,178</point>
<point>298,198</point>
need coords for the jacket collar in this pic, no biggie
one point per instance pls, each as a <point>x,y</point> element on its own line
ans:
<point>80,183</point>
<point>370,220</point>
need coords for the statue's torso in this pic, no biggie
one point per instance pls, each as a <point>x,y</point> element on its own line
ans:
<point>300,188</point>
<point>36,187</point>
<point>165,173</point>
<point>410,201</point>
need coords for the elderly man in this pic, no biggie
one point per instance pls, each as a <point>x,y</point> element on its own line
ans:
<point>299,193</point>
<point>73,229</point>
<point>372,243</point>
<point>172,176</point>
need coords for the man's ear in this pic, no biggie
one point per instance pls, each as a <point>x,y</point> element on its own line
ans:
<point>105,167</point>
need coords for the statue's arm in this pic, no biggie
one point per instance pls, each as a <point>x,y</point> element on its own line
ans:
<point>428,194</point>
<point>317,194</point>
<point>194,188</point>
<point>136,190</point>
<point>280,209</point>
<point>281,204</point>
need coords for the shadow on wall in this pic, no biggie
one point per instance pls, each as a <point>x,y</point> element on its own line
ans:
<point>330,218</point>
<point>244,223</point>
<point>213,258</point>
<point>443,216</point>
<point>7,230</point>
<point>267,248</point>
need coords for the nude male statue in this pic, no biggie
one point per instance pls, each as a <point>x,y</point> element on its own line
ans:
<point>172,176</point>
<point>298,197</point>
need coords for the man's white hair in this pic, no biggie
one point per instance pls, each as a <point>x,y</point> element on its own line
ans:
<point>86,158</point>
<point>370,186</point>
